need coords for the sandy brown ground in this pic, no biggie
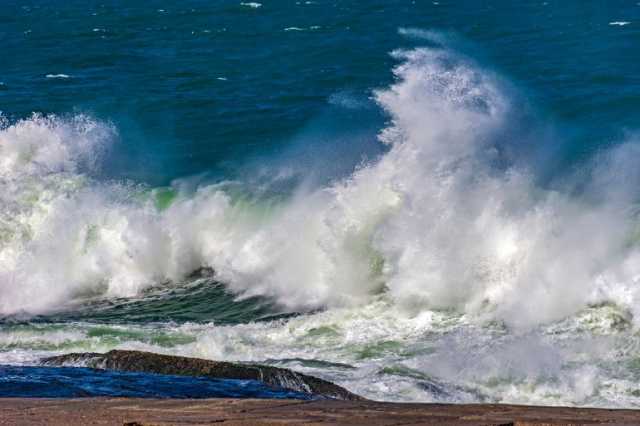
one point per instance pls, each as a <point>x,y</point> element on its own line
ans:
<point>134,412</point>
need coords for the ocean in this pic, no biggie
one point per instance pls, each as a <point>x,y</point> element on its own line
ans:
<point>417,200</point>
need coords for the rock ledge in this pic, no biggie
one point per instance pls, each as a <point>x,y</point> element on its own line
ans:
<point>148,362</point>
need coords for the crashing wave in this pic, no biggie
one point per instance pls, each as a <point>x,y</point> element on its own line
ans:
<point>443,220</point>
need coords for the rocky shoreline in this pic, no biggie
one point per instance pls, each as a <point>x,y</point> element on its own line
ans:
<point>147,362</point>
<point>332,404</point>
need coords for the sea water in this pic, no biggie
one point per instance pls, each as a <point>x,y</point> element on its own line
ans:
<point>417,200</point>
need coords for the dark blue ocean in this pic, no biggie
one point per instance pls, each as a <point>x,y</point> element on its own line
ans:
<point>418,200</point>
<point>70,382</point>
<point>207,86</point>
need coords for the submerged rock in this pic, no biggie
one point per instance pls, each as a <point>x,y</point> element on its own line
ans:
<point>147,362</point>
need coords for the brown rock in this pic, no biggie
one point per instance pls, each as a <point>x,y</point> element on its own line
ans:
<point>121,411</point>
<point>147,362</point>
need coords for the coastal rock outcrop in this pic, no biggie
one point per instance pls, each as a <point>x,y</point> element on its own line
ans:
<point>147,362</point>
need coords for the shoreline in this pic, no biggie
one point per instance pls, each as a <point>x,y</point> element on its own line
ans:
<point>333,405</point>
<point>137,411</point>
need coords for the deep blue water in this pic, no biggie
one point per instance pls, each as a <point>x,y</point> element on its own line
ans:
<point>154,67</point>
<point>362,188</point>
<point>71,382</point>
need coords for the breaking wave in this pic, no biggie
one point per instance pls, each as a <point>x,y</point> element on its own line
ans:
<point>447,218</point>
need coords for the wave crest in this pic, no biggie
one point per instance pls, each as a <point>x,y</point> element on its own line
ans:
<point>434,222</point>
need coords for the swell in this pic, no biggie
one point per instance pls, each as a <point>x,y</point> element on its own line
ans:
<point>445,219</point>
<point>195,300</point>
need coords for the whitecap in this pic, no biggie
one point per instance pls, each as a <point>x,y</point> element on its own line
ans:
<point>251,4</point>
<point>311,28</point>
<point>61,76</point>
<point>430,221</point>
<point>619,23</point>
<point>431,224</point>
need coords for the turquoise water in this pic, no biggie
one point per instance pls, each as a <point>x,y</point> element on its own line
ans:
<point>155,70</point>
<point>419,200</point>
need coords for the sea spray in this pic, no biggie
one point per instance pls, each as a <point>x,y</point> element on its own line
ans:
<point>441,271</point>
<point>431,222</point>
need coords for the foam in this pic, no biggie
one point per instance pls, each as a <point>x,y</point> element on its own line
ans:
<point>433,223</point>
<point>382,351</point>
<point>443,270</point>
<point>253,5</point>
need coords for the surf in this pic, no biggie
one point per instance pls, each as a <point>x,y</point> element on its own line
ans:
<point>433,222</point>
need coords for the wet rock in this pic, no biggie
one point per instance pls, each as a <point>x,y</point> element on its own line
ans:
<point>147,362</point>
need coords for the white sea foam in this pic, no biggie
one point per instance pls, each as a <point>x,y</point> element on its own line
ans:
<point>311,28</point>
<point>253,5</point>
<point>432,224</point>
<point>58,76</point>
<point>446,277</point>
<point>382,351</point>
<point>619,23</point>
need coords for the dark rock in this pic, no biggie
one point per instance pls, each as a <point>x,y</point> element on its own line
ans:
<point>147,362</point>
